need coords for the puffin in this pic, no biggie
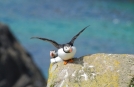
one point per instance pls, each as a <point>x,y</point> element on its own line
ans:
<point>65,51</point>
<point>53,54</point>
<point>54,57</point>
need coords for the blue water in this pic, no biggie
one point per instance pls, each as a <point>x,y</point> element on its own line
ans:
<point>111,26</point>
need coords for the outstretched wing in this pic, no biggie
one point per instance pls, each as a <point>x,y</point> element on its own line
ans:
<point>45,39</point>
<point>73,39</point>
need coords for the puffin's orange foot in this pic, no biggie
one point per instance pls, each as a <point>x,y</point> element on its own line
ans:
<point>65,62</point>
<point>71,61</point>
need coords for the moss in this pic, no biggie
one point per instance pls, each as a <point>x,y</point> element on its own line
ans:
<point>132,83</point>
<point>52,85</point>
<point>52,76</point>
<point>107,71</point>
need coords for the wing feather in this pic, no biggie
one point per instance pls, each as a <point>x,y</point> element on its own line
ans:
<point>73,39</point>
<point>45,39</point>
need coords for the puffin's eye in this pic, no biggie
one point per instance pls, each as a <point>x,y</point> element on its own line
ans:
<point>66,47</point>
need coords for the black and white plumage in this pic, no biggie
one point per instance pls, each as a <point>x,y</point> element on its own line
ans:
<point>65,51</point>
<point>54,57</point>
<point>53,54</point>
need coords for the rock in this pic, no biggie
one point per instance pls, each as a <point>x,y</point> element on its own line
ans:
<point>97,70</point>
<point>17,68</point>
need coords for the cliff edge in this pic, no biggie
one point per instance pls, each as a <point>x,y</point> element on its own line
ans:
<point>96,70</point>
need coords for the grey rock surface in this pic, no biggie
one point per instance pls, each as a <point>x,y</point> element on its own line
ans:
<point>17,68</point>
<point>96,70</point>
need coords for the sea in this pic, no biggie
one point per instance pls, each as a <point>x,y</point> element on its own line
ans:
<point>111,27</point>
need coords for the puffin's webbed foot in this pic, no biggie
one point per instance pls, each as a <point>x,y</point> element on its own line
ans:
<point>65,62</point>
<point>71,61</point>
<point>68,61</point>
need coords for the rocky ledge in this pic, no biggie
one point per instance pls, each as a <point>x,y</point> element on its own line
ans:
<point>17,68</point>
<point>96,70</point>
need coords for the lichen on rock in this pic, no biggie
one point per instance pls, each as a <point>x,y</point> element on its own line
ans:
<point>97,70</point>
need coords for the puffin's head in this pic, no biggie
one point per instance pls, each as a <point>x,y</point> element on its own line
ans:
<point>53,54</point>
<point>67,48</point>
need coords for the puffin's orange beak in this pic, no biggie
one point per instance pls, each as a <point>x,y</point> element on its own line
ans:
<point>70,49</point>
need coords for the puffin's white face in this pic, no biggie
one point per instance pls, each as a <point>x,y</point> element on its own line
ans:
<point>67,49</point>
<point>53,54</point>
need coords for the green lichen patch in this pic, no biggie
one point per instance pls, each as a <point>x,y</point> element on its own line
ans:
<point>97,70</point>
